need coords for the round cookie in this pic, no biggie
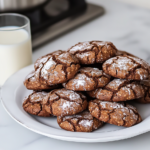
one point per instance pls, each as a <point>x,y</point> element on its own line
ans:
<point>93,51</point>
<point>32,83</point>
<point>33,104</point>
<point>82,122</point>
<point>87,79</point>
<point>63,102</point>
<point>120,114</point>
<point>119,90</point>
<point>127,67</point>
<point>56,68</point>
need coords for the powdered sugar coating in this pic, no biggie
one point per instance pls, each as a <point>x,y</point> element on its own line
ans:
<point>127,67</point>
<point>41,60</point>
<point>37,73</point>
<point>81,122</point>
<point>48,65</point>
<point>32,82</point>
<point>87,54</point>
<point>123,63</point>
<point>141,75</point>
<point>67,106</point>
<point>31,77</point>
<point>86,123</point>
<point>67,58</point>
<point>120,114</point>
<point>63,57</point>
<point>81,81</point>
<point>114,105</point>
<point>119,90</point>
<point>33,104</point>
<point>110,61</point>
<point>86,115</point>
<point>73,96</point>
<point>115,84</point>
<point>102,43</point>
<point>58,68</point>
<point>141,62</point>
<point>37,96</point>
<point>93,71</point>
<point>93,51</point>
<point>80,47</point>
<point>88,45</point>
<point>62,102</point>
<point>87,79</point>
<point>127,90</point>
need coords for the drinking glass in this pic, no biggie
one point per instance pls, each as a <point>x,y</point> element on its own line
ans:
<point>15,44</point>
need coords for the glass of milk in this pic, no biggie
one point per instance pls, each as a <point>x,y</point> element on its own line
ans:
<point>15,44</point>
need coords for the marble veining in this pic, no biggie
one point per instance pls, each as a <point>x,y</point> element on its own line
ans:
<point>128,27</point>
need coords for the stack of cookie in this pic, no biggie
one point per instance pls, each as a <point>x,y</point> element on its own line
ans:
<point>88,85</point>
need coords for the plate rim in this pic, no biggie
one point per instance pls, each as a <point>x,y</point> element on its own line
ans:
<point>73,139</point>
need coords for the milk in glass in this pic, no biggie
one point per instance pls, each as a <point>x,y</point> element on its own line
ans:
<point>15,51</point>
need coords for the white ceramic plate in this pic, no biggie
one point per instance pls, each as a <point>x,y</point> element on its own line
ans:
<point>13,93</point>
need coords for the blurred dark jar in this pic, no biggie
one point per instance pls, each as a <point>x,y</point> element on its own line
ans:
<point>20,5</point>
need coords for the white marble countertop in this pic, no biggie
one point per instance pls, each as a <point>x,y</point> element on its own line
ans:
<point>141,3</point>
<point>128,27</point>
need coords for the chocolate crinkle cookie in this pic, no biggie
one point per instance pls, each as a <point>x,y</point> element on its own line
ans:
<point>119,90</point>
<point>87,79</point>
<point>93,51</point>
<point>63,102</point>
<point>127,67</point>
<point>33,104</point>
<point>32,83</point>
<point>56,68</point>
<point>120,114</point>
<point>82,122</point>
